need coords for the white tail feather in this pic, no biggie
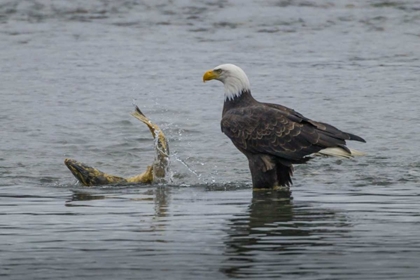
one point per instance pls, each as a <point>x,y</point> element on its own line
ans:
<point>357,153</point>
<point>338,152</point>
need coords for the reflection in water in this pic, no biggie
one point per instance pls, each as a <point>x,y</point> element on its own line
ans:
<point>161,206</point>
<point>159,195</point>
<point>162,198</point>
<point>83,196</point>
<point>273,232</point>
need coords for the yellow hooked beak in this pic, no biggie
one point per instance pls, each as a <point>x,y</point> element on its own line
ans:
<point>210,75</point>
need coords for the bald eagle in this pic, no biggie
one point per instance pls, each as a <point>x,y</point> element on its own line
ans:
<point>271,136</point>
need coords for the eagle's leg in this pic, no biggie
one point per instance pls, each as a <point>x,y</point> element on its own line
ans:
<point>269,173</point>
<point>261,177</point>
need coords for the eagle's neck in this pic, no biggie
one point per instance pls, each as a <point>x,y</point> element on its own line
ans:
<point>243,99</point>
<point>235,85</point>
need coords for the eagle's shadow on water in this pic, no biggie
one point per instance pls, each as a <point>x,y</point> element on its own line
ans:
<point>274,230</point>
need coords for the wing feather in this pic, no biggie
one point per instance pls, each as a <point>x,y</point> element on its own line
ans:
<point>327,128</point>
<point>285,134</point>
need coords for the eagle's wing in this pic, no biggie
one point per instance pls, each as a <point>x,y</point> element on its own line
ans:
<point>266,130</point>
<point>327,128</point>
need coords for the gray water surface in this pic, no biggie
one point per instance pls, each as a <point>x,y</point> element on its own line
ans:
<point>70,71</point>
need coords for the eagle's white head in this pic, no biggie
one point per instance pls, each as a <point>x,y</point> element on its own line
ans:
<point>233,77</point>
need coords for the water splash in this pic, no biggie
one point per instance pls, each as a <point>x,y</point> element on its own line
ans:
<point>156,143</point>
<point>185,164</point>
